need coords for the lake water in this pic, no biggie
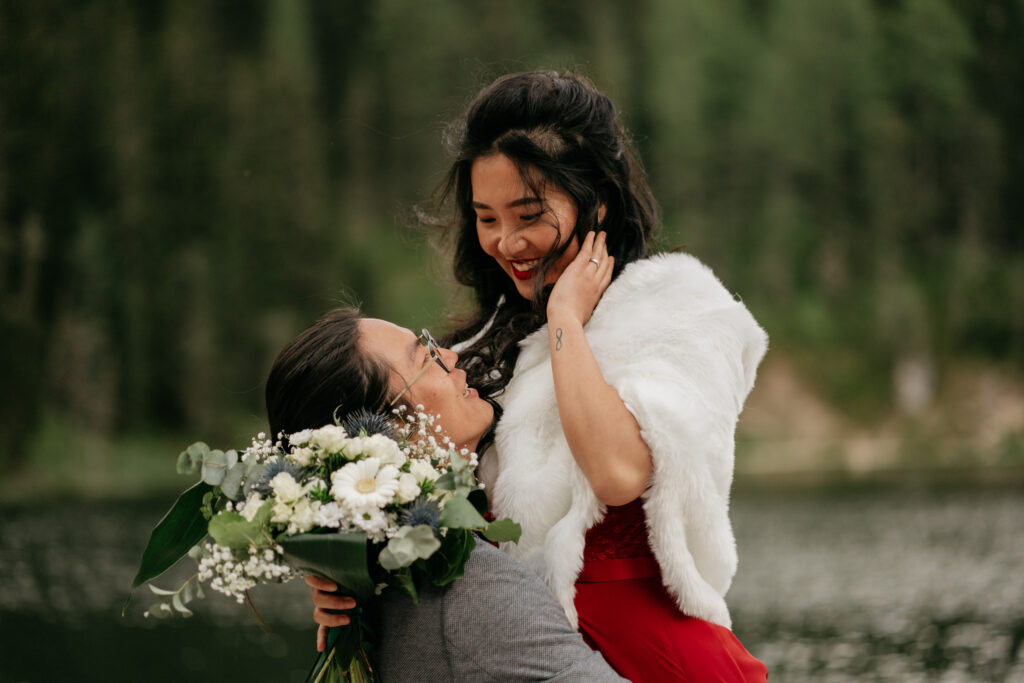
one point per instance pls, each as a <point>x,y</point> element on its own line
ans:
<point>899,583</point>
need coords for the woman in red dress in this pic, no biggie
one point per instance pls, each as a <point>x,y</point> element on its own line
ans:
<point>621,377</point>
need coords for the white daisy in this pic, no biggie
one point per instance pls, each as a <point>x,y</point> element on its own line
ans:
<point>365,484</point>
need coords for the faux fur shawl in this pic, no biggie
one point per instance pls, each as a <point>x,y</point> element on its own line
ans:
<point>682,354</point>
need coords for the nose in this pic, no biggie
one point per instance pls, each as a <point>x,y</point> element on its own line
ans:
<point>449,357</point>
<point>511,242</point>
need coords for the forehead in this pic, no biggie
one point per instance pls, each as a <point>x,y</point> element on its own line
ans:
<point>495,173</point>
<point>496,181</point>
<point>389,342</point>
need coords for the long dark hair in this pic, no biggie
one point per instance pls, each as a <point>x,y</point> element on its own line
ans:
<point>323,374</point>
<point>556,128</point>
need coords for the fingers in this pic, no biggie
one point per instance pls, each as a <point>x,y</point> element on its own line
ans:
<point>319,583</point>
<point>321,638</point>
<point>325,600</point>
<point>327,618</point>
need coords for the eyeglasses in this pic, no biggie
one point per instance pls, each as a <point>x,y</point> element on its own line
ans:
<point>434,350</point>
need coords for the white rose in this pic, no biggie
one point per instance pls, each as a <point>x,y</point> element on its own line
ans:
<point>282,513</point>
<point>331,438</point>
<point>285,488</point>
<point>384,449</point>
<point>301,456</point>
<point>302,515</point>
<point>423,470</point>
<point>251,506</point>
<point>299,438</point>
<point>408,488</point>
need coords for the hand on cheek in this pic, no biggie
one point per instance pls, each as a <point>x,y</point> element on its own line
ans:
<point>580,286</point>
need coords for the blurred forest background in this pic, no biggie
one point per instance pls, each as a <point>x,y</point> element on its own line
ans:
<point>184,186</point>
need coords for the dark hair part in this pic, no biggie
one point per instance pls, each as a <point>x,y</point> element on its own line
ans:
<point>556,128</point>
<point>322,374</point>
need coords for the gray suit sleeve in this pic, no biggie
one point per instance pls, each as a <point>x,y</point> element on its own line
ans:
<point>501,623</point>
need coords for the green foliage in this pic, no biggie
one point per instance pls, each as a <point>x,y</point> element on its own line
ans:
<point>407,546</point>
<point>503,530</point>
<point>449,563</point>
<point>340,558</point>
<point>179,599</point>
<point>232,530</point>
<point>180,195</point>
<point>459,512</point>
<point>181,528</point>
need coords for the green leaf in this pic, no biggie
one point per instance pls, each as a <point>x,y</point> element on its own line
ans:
<point>340,558</point>
<point>191,459</point>
<point>216,464</point>
<point>232,483</point>
<point>407,546</point>
<point>402,579</point>
<point>460,513</point>
<point>503,530</point>
<point>449,563</point>
<point>181,528</point>
<point>179,605</point>
<point>446,482</point>
<point>234,531</point>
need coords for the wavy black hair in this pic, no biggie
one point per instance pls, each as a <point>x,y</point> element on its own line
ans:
<point>557,128</point>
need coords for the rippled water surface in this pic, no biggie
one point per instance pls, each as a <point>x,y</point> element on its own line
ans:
<point>893,584</point>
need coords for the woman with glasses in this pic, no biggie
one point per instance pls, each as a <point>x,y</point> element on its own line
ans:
<point>620,375</point>
<point>344,363</point>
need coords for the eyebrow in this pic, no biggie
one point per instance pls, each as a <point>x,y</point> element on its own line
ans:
<point>413,346</point>
<point>517,202</point>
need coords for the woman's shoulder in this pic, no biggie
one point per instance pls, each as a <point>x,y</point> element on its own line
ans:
<point>676,280</point>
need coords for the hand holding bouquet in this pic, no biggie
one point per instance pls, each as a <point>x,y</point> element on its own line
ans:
<point>365,504</point>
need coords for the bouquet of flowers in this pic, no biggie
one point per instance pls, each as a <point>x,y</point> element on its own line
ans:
<point>364,503</point>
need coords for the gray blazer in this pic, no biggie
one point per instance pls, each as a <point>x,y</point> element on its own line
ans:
<point>499,622</point>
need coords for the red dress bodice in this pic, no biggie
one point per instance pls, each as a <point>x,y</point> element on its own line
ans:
<point>621,534</point>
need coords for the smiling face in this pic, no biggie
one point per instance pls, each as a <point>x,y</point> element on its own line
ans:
<point>517,228</point>
<point>465,417</point>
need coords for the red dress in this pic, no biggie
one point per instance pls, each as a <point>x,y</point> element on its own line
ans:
<point>626,613</point>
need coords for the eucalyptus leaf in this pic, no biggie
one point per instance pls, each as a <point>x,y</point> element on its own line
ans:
<point>232,483</point>
<point>407,546</point>
<point>159,611</point>
<point>503,530</point>
<point>460,513</point>
<point>234,531</point>
<point>161,591</point>
<point>191,459</point>
<point>176,601</point>
<point>215,466</point>
<point>446,482</point>
<point>181,528</point>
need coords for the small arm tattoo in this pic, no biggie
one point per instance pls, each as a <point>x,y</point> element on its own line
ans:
<point>558,339</point>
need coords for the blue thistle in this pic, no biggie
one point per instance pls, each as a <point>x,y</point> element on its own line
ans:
<point>261,482</point>
<point>363,422</point>
<point>422,511</point>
